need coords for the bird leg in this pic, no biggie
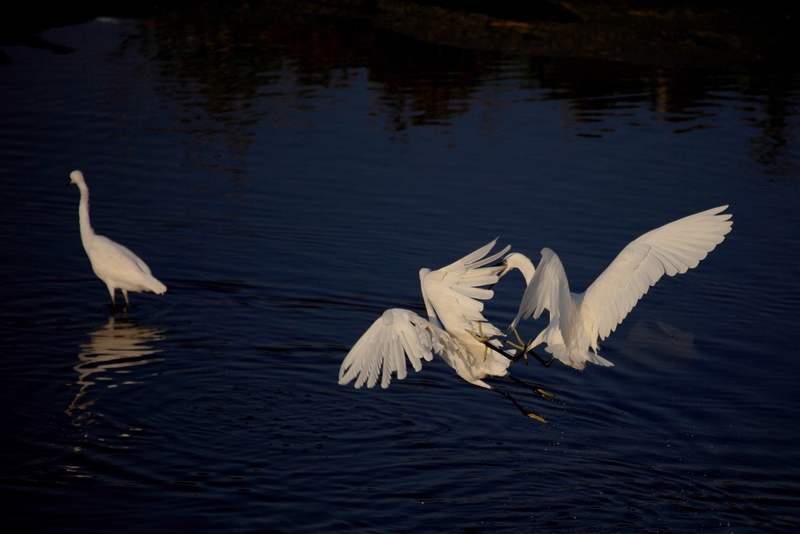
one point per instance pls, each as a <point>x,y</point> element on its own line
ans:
<point>480,338</point>
<point>526,413</point>
<point>486,341</point>
<point>487,344</point>
<point>522,346</point>
<point>541,360</point>
<point>515,358</point>
<point>545,394</point>
<point>526,348</point>
<point>125,294</point>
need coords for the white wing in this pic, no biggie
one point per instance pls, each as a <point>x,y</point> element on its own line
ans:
<point>384,346</point>
<point>453,294</point>
<point>112,247</point>
<point>116,263</point>
<point>547,290</point>
<point>671,249</point>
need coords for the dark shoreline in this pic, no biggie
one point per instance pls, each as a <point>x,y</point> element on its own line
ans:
<point>706,34</point>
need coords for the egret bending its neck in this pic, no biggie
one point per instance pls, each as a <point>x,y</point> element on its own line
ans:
<point>515,260</point>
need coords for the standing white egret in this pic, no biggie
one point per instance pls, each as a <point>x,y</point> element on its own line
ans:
<point>456,330</point>
<point>578,320</point>
<point>114,264</point>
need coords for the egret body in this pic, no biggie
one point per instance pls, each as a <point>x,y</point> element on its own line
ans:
<point>113,263</point>
<point>455,329</point>
<point>579,320</point>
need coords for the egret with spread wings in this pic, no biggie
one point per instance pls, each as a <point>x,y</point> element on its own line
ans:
<point>578,320</point>
<point>455,329</point>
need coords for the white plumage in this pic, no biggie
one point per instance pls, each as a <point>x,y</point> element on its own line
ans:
<point>453,298</point>
<point>113,263</point>
<point>577,321</point>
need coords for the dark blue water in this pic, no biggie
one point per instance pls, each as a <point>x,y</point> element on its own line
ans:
<point>288,197</point>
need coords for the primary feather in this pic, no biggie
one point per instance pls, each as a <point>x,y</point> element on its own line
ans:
<point>453,298</point>
<point>578,320</point>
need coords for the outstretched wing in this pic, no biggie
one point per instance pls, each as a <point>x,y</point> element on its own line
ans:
<point>453,294</point>
<point>671,249</point>
<point>383,348</point>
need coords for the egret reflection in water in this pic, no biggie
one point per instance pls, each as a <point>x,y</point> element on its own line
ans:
<point>114,348</point>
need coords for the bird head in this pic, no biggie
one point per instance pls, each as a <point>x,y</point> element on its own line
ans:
<point>76,177</point>
<point>515,260</point>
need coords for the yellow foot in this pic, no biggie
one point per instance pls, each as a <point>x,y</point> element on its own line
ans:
<point>536,416</point>
<point>521,346</point>
<point>481,338</point>
<point>547,395</point>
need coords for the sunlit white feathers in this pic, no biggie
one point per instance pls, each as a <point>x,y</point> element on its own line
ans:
<point>452,297</point>
<point>113,263</point>
<point>577,321</point>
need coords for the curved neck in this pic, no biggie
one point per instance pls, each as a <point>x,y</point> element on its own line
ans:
<point>428,306</point>
<point>87,233</point>
<point>523,263</point>
<point>527,269</point>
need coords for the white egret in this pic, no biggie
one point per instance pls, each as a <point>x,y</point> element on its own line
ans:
<point>456,330</point>
<point>577,321</point>
<point>113,263</point>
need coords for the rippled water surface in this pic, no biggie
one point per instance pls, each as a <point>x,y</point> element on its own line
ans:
<point>287,188</point>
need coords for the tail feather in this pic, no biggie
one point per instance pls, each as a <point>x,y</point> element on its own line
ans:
<point>576,359</point>
<point>154,284</point>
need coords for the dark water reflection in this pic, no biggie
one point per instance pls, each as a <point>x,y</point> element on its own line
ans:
<point>286,176</point>
<point>237,58</point>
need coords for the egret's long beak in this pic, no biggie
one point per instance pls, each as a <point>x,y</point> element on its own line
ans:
<point>505,270</point>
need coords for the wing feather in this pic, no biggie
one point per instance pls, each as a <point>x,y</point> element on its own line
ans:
<point>671,249</point>
<point>383,348</point>
<point>107,244</point>
<point>547,289</point>
<point>454,293</point>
